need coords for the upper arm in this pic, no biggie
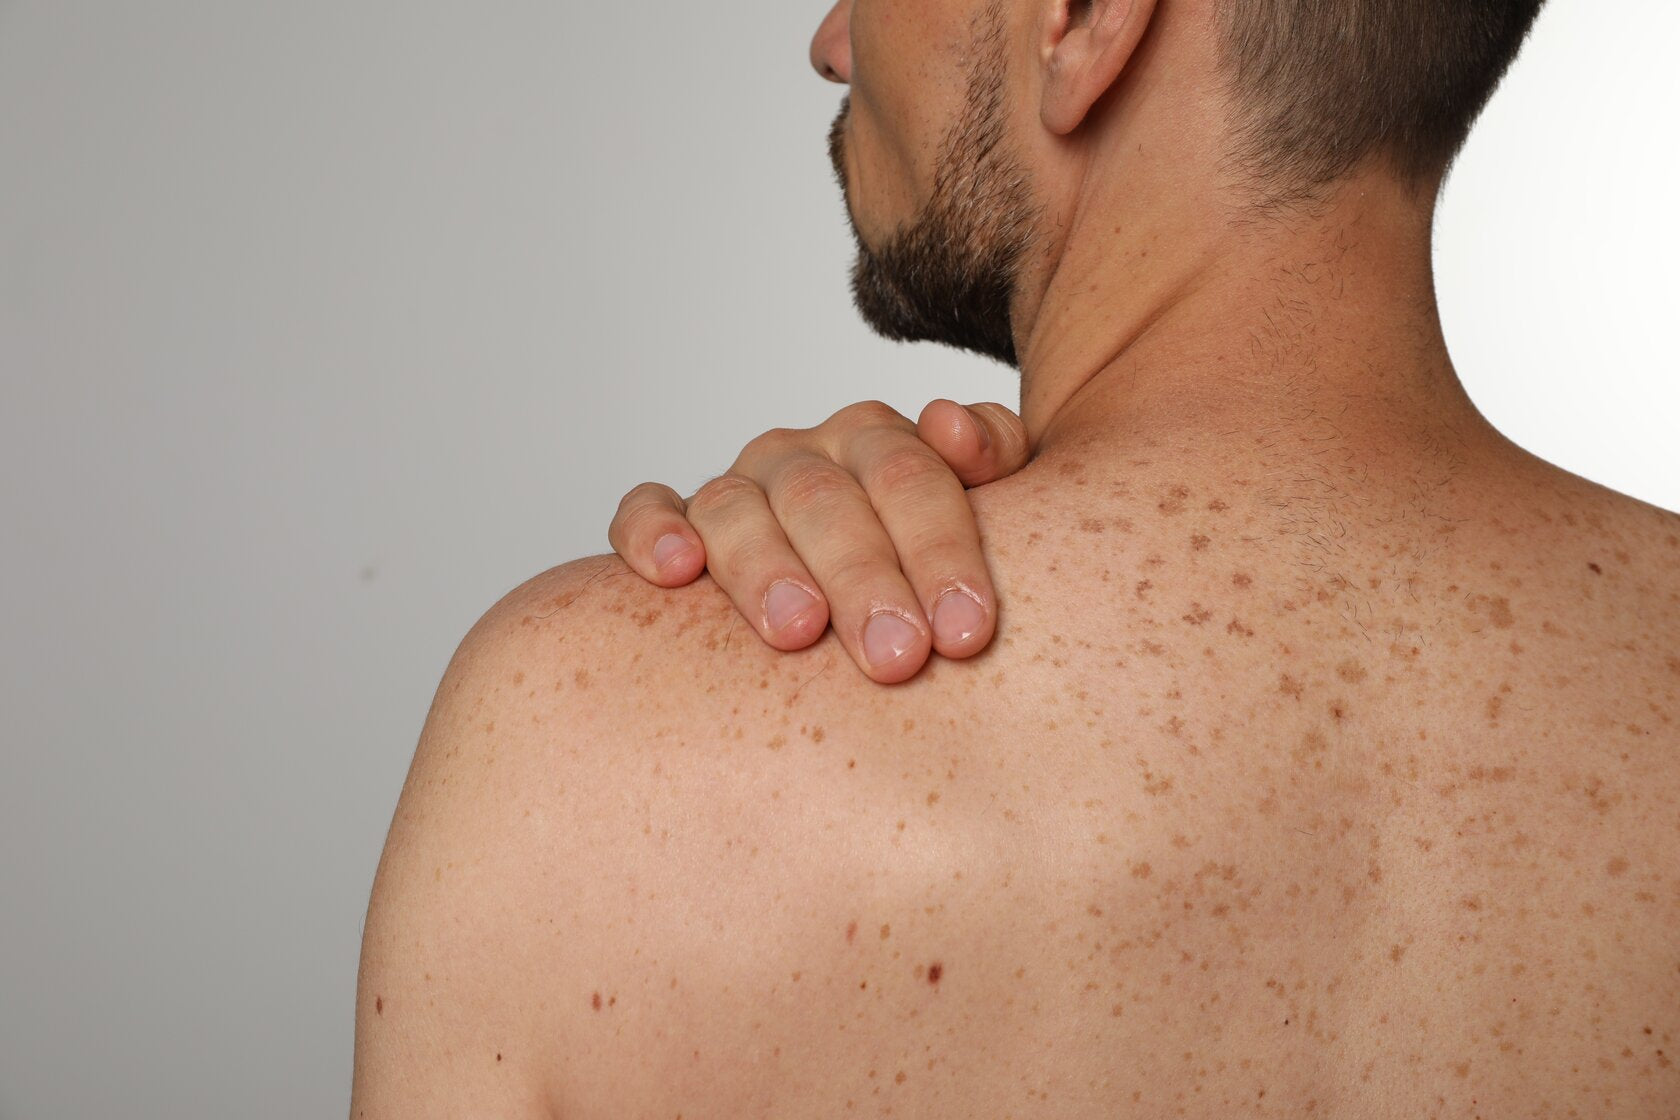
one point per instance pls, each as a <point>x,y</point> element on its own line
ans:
<point>458,932</point>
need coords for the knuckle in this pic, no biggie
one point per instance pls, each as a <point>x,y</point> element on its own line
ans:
<point>718,495</point>
<point>937,549</point>
<point>856,572</point>
<point>744,561</point>
<point>642,494</point>
<point>773,442</point>
<point>812,481</point>
<point>867,414</point>
<point>915,467</point>
<point>634,520</point>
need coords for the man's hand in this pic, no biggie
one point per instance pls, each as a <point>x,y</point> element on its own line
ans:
<point>862,520</point>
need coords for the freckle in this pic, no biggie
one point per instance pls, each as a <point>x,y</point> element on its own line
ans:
<point>932,797</point>
<point>490,727</point>
<point>1616,866</point>
<point>1396,952</point>
<point>1462,1069</point>
<point>1499,610</point>
<point>1092,525</point>
<point>581,678</point>
<point>1596,570</point>
<point>910,724</point>
<point>1198,543</point>
<point>1141,871</point>
<point>851,762</point>
<point>1472,902</point>
<point>595,1001</point>
<point>379,1005</point>
<point>935,971</point>
<point>777,743</point>
<point>851,933</point>
<point>1351,671</point>
<point>1493,705</point>
<point>816,734</point>
<point>1289,686</point>
<point>519,678</point>
<point>886,932</point>
<point>1242,579</point>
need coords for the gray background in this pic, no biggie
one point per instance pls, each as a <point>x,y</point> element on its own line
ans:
<point>324,324</point>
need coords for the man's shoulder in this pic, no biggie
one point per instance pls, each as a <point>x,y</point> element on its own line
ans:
<point>1630,547</point>
<point>576,706</point>
<point>597,635</point>
<point>589,661</point>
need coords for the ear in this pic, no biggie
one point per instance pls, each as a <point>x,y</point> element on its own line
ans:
<point>1087,44</point>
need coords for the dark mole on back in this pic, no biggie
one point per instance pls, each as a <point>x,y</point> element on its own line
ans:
<point>379,1005</point>
<point>935,970</point>
<point>595,1001</point>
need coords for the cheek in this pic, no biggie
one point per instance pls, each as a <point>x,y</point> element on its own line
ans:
<point>897,87</point>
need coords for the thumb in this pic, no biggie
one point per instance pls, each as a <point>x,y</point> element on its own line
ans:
<point>981,443</point>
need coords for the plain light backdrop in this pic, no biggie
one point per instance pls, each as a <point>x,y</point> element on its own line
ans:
<point>323,324</point>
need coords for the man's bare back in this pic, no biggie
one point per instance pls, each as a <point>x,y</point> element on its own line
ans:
<point>1311,779</point>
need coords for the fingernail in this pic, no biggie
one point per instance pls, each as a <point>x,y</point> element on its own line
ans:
<point>668,548</point>
<point>957,617</point>
<point>886,638</point>
<point>786,601</point>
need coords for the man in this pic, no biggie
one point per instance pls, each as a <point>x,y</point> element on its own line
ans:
<point>1325,761</point>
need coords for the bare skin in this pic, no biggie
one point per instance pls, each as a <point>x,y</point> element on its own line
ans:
<point>1229,820</point>
<point>1325,761</point>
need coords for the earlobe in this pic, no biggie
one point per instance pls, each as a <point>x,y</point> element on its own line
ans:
<point>1084,58</point>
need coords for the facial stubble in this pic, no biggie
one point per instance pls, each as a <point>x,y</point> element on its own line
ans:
<point>950,275</point>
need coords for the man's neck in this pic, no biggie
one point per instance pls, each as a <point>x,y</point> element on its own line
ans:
<point>1203,323</point>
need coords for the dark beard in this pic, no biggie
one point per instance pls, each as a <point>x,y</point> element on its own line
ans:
<point>949,276</point>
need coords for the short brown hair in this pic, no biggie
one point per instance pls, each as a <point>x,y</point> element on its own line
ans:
<point>1319,86</point>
